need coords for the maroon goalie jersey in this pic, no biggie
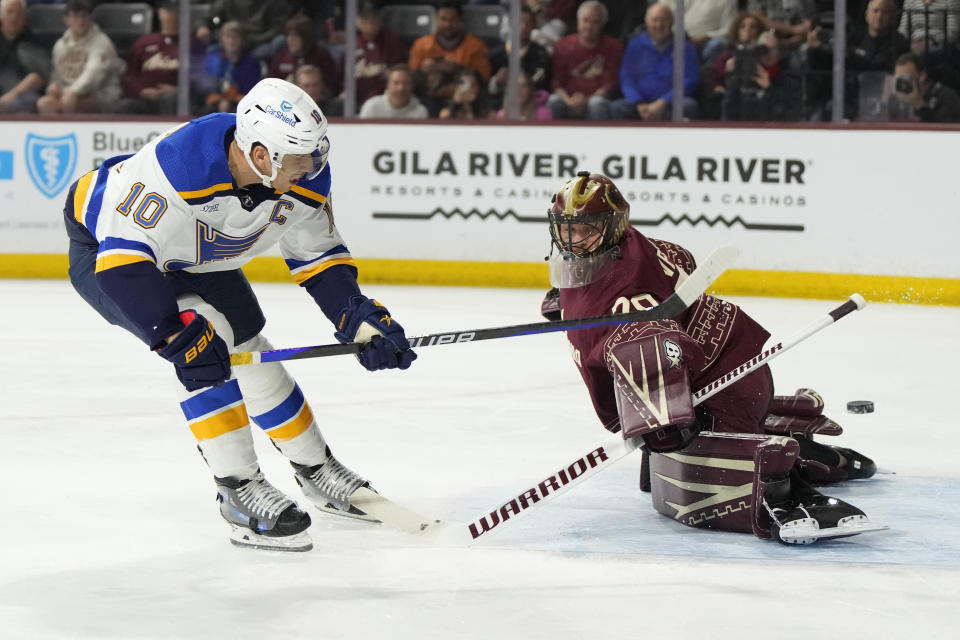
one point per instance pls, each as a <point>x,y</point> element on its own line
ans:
<point>722,335</point>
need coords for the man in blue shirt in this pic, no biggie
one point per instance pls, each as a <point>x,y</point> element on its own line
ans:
<point>646,72</point>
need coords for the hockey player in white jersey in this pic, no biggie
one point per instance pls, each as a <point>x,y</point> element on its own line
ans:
<point>157,240</point>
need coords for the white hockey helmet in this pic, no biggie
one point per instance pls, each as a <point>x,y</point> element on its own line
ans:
<point>285,120</point>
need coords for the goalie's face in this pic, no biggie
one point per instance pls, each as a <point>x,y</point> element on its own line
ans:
<point>579,235</point>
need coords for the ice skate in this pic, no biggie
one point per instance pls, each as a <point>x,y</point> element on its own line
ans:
<point>261,516</point>
<point>858,466</point>
<point>810,516</point>
<point>330,485</point>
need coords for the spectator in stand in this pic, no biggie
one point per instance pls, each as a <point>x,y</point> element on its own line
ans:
<point>378,50</point>
<point>930,25</point>
<point>150,79</point>
<point>86,69</point>
<point>311,80</point>
<point>398,100</point>
<point>585,66</point>
<point>875,47</point>
<point>532,101</point>
<point>759,89</point>
<point>437,57</point>
<point>262,22</point>
<point>552,19</point>
<point>872,48</point>
<point>229,72</point>
<point>707,23</point>
<point>743,34</point>
<point>24,64</point>
<point>791,20</point>
<point>915,92</point>
<point>469,100</point>
<point>302,48</point>
<point>646,74</point>
<point>534,60</point>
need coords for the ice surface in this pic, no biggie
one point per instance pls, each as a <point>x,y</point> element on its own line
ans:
<point>110,529</point>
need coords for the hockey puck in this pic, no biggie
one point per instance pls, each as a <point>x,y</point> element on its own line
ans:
<point>860,406</point>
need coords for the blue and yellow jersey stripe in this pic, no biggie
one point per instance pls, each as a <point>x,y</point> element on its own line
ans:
<point>288,419</point>
<point>88,196</point>
<point>306,196</point>
<point>303,270</point>
<point>117,252</point>
<point>200,196</point>
<point>216,411</point>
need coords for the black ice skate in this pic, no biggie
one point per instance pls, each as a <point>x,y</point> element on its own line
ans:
<point>261,516</point>
<point>330,486</point>
<point>810,516</point>
<point>858,466</point>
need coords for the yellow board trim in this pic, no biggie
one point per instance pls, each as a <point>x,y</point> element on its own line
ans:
<point>737,282</point>
<point>119,260</point>
<point>295,427</point>
<point>221,423</point>
<point>80,195</point>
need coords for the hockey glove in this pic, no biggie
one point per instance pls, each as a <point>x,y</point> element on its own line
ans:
<point>366,320</point>
<point>200,356</point>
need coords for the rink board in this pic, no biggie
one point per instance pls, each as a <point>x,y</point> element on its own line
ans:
<point>815,212</point>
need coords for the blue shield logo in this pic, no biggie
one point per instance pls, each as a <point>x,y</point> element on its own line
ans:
<point>51,162</point>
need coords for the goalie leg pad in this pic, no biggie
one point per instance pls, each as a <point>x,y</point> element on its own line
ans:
<point>720,481</point>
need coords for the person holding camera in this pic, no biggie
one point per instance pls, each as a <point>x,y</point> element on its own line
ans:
<point>758,89</point>
<point>919,97</point>
<point>469,100</point>
<point>872,49</point>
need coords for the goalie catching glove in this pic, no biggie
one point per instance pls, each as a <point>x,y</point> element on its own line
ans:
<point>368,321</point>
<point>199,355</point>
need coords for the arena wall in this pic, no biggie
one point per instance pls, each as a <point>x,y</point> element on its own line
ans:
<point>816,212</point>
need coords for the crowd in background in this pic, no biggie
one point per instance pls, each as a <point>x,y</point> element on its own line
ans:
<point>744,60</point>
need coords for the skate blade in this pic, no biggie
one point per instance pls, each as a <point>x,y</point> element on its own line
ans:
<point>808,531</point>
<point>245,538</point>
<point>353,512</point>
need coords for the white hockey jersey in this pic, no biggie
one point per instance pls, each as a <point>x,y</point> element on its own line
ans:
<point>174,204</point>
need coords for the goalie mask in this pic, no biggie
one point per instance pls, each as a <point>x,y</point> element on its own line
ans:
<point>286,121</point>
<point>587,221</point>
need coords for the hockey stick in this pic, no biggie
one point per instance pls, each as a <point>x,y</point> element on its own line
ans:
<point>719,260</point>
<point>609,451</point>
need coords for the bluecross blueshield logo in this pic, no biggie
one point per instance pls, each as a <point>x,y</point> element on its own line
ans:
<point>51,162</point>
<point>6,165</point>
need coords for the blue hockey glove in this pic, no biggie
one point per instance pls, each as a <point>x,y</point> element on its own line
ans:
<point>366,320</point>
<point>199,355</point>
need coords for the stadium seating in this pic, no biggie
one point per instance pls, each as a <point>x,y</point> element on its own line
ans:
<point>485,21</point>
<point>409,21</point>
<point>124,22</point>
<point>46,22</point>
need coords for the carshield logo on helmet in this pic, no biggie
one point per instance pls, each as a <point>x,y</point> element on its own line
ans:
<point>286,105</point>
<point>291,120</point>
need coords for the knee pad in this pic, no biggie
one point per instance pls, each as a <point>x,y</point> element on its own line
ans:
<point>721,480</point>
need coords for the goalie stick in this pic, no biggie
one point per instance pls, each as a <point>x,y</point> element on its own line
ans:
<point>601,457</point>
<point>719,260</point>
